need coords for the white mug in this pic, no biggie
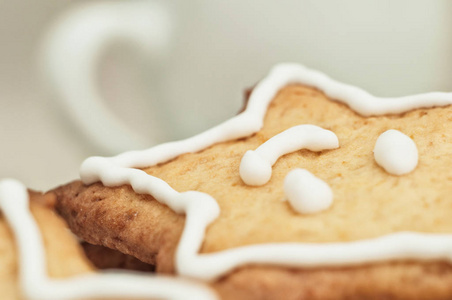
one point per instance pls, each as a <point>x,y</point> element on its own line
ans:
<point>212,50</point>
<point>73,51</point>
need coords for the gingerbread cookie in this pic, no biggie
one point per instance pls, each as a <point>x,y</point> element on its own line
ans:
<point>42,260</point>
<point>317,190</point>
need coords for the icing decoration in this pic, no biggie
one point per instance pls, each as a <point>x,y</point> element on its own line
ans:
<point>36,284</point>
<point>202,209</point>
<point>256,166</point>
<point>306,193</point>
<point>396,152</point>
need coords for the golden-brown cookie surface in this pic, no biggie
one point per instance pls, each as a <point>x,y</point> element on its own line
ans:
<point>368,202</point>
<point>401,280</point>
<point>120,219</point>
<point>106,258</point>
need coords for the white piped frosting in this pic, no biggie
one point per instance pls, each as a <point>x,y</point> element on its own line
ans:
<point>396,152</point>
<point>36,285</point>
<point>403,245</point>
<point>256,166</point>
<point>306,193</point>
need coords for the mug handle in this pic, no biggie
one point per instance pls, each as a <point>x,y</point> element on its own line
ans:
<point>71,55</point>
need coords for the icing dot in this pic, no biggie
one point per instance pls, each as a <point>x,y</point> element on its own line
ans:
<point>396,152</point>
<point>307,193</point>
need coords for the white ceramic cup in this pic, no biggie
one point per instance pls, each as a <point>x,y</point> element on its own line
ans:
<point>73,51</point>
<point>213,50</point>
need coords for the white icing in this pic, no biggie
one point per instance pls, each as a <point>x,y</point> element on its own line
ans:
<point>396,152</point>
<point>119,170</point>
<point>357,99</point>
<point>36,284</point>
<point>256,166</point>
<point>306,193</point>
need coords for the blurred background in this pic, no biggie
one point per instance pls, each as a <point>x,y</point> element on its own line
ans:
<point>205,54</point>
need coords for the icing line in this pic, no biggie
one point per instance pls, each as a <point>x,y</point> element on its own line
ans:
<point>251,119</point>
<point>36,284</point>
<point>117,170</point>
<point>256,166</point>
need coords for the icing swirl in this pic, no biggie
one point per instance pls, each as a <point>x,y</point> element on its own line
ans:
<point>256,166</point>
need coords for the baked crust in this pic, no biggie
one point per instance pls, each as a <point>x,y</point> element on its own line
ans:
<point>398,280</point>
<point>365,195</point>
<point>119,219</point>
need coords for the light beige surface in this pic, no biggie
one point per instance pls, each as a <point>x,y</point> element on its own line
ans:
<point>64,255</point>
